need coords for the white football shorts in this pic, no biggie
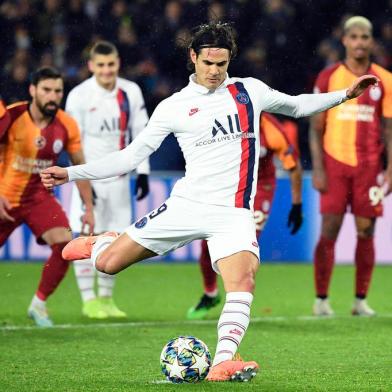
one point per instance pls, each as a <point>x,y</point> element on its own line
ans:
<point>179,221</point>
<point>112,210</point>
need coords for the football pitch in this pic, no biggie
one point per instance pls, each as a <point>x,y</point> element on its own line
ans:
<point>296,352</point>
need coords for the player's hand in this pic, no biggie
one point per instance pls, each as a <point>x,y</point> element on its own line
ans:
<point>142,188</point>
<point>5,206</point>
<point>360,85</point>
<point>319,180</point>
<point>53,176</point>
<point>88,222</point>
<point>295,218</point>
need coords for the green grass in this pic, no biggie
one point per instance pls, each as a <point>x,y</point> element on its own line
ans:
<point>296,353</point>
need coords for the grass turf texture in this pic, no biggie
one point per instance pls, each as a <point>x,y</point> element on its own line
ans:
<point>296,353</point>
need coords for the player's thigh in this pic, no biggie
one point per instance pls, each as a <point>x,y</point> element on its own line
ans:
<point>7,227</point>
<point>118,206</point>
<point>47,221</point>
<point>368,194</point>
<point>122,253</point>
<point>365,226</point>
<point>174,224</point>
<point>232,231</point>
<point>330,225</point>
<point>339,189</point>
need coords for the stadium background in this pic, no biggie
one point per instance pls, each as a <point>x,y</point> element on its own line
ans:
<point>274,45</point>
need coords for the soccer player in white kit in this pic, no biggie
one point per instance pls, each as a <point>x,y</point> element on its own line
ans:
<point>215,119</point>
<point>110,112</point>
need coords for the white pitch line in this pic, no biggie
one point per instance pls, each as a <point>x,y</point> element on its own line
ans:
<point>137,324</point>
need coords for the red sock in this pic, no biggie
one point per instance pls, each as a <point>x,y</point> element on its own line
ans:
<point>324,257</point>
<point>53,272</point>
<point>209,275</point>
<point>364,261</point>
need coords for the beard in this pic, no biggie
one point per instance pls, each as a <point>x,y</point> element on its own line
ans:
<point>49,109</point>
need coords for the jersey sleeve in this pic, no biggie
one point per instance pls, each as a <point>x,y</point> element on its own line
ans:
<point>73,107</point>
<point>276,140</point>
<point>303,105</point>
<point>127,159</point>
<point>138,121</point>
<point>73,143</point>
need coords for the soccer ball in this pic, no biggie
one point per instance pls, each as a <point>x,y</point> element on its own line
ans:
<point>185,359</point>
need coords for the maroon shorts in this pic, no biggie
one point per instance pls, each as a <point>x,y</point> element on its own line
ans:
<point>354,189</point>
<point>263,201</point>
<point>40,217</point>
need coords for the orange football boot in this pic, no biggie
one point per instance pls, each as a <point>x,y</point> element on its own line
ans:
<point>233,370</point>
<point>81,247</point>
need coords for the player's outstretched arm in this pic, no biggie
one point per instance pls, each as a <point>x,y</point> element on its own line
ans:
<point>53,176</point>
<point>309,104</point>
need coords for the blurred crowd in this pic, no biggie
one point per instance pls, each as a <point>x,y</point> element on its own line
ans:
<point>282,42</point>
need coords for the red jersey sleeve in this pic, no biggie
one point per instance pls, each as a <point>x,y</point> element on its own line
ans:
<point>74,139</point>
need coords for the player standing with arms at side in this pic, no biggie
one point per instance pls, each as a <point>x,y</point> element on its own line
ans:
<point>110,112</point>
<point>347,148</point>
<point>214,200</point>
<point>274,141</point>
<point>33,139</point>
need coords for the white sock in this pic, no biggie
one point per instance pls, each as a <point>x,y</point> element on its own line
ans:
<point>105,284</point>
<point>101,244</point>
<point>38,303</point>
<point>232,325</point>
<point>85,276</point>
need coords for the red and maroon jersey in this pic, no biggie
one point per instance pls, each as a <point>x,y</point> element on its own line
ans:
<point>353,129</point>
<point>27,149</point>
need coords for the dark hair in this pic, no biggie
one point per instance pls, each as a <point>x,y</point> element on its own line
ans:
<point>44,73</point>
<point>103,47</point>
<point>213,35</point>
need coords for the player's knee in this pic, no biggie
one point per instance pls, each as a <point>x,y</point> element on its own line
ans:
<point>107,263</point>
<point>244,281</point>
<point>330,229</point>
<point>365,231</point>
<point>57,235</point>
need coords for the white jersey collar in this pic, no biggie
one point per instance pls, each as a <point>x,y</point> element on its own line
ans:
<point>204,90</point>
<point>102,90</point>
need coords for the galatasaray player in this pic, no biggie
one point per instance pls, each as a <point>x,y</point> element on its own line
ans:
<point>4,116</point>
<point>36,134</point>
<point>274,141</point>
<point>214,119</point>
<point>347,149</point>
<point>110,112</point>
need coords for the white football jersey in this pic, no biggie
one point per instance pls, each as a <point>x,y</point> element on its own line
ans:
<point>108,120</point>
<point>218,132</point>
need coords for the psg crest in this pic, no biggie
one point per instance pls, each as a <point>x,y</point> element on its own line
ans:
<point>242,98</point>
<point>141,223</point>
